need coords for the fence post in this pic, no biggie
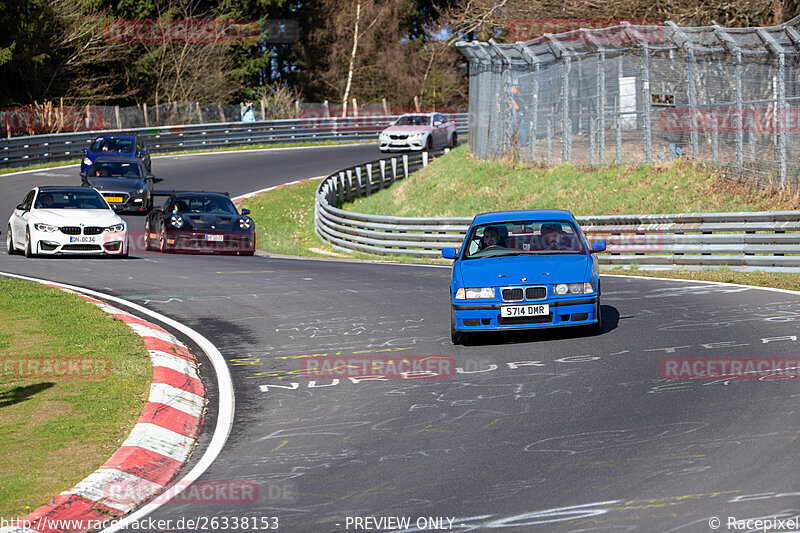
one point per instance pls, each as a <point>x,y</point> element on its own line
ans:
<point>405,165</point>
<point>533,61</point>
<point>340,185</point>
<point>349,184</point>
<point>394,171</point>
<point>383,173</point>
<point>646,97</point>
<point>146,118</point>
<point>549,160</point>
<point>199,114</point>
<point>780,97</point>
<point>359,181</point>
<point>369,179</point>
<point>691,84</point>
<point>116,113</point>
<point>566,122</point>
<point>618,107</point>
<point>732,45</point>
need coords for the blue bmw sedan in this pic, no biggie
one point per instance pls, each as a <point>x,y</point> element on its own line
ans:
<point>523,270</point>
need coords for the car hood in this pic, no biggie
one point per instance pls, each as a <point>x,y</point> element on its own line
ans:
<point>116,184</point>
<point>73,217</point>
<point>407,129</point>
<point>538,269</point>
<point>210,221</point>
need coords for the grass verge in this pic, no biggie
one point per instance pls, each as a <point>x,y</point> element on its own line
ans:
<point>458,185</point>
<point>55,431</point>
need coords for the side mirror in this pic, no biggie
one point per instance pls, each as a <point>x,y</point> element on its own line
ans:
<point>449,253</point>
<point>85,151</point>
<point>22,207</point>
<point>155,179</point>
<point>245,211</point>
<point>83,176</point>
<point>599,246</point>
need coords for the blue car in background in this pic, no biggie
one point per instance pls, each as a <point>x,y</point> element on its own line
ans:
<point>118,146</point>
<point>523,270</point>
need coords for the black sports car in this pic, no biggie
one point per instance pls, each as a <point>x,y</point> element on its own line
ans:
<point>123,182</point>
<point>200,222</point>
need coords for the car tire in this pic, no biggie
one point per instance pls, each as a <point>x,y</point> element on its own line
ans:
<point>597,327</point>
<point>148,245</point>
<point>429,144</point>
<point>28,251</point>
<point>454,140</point>
<point>458,337</point>
<point>10,242</point>
<point>162,242</point>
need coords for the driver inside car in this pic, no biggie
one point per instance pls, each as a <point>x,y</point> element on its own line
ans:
<point>491,237</point>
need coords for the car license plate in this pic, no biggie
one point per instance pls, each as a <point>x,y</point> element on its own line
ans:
<point>510,311</point>
<point>114,199</point>
<point>217,238</point>
<point>82,239</point>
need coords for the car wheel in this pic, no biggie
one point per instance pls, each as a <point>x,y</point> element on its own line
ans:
<point>456,336</point>
<point>10,242</point>
<point>597,328</point>
<point>429,144</point>
<point>147,243</point>
<point>28,251</point>
<point>454,140</point>
<point>162,242</point>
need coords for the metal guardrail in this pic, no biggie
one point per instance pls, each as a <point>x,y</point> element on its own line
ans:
<point>744,241</point>
<point>19,151</point>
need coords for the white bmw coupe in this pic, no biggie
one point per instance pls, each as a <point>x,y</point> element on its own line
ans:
<point>66,220</point>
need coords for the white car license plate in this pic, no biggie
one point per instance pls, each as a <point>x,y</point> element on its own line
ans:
<point>82,239</point>
<point>217,238</point>
<point>510,311</point>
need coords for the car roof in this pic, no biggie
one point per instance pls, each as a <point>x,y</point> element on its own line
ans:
<point>523,214</point>
<point>199,193</point>
<point>419,114</point>
<point>117,136</point>
<point>53,188</point>
<point>118,159</point>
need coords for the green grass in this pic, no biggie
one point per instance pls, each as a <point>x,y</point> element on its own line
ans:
<point>458,185</point>
<point>284,220</point>
<point>56,431</point>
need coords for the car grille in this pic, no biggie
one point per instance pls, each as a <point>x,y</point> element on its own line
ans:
<point>510,321</point>
<point>536,293</point>
<point>515,294</point>
<point>512,295</point>
<point>70,230</point>
<point>76,230</point>
<point>92,230</point>
<point>398,137</point>
<point>82,247</point>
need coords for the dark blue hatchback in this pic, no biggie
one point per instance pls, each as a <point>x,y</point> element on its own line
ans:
<point>118,146</point>
<point>523,270</point>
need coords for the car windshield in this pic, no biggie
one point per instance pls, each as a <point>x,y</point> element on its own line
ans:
<point>413,120</point>
<point>66,199</point>
<point>112,145</point>
<point>109,169</point>
<point>203,204</point>
<point>523,237</point>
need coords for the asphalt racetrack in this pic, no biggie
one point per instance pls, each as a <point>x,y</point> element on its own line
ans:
<point>534,432</point>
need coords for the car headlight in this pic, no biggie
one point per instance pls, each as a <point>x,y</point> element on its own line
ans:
<point>415,135</point>
<point>383,136</point>
<point>475,293</point>
<point>87,161</point>
<point>45,227</point>
<point>115,228</point>
<point>176,221</point>
<point>245,223</point>
<point>573,288</point>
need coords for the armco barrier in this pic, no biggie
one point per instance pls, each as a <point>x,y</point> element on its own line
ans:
<point>745,241</point>
<point>18,151</point>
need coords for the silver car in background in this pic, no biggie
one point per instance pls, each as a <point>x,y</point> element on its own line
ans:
<point>418,131</point>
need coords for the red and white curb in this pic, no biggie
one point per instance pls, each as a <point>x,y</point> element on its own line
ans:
<point>157,447</point>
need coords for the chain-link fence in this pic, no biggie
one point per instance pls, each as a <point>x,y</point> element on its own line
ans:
<point>637,94</point>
